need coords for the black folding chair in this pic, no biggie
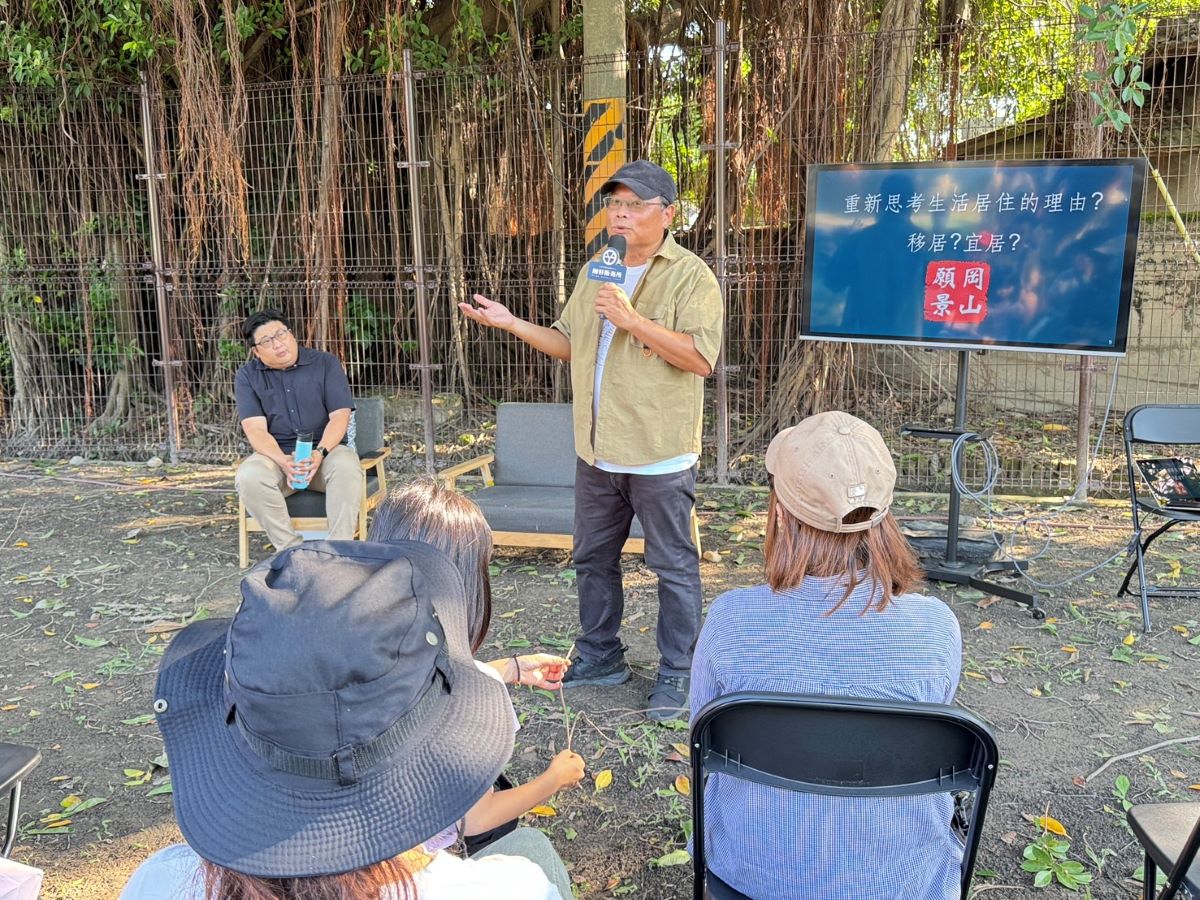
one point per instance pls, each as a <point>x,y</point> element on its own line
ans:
<point>1170,834</point>
<point>841,747</point>
<point>1163,424</point>
<point>16,761</point>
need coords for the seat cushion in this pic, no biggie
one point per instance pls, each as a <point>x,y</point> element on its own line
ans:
<point>311,504</point>
<point>1163,829</point>
<point>541,510</point>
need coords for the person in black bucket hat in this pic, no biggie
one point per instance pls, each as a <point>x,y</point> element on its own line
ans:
<point>337,722</point>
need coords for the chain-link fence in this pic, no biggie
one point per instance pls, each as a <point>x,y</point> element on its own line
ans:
<point>139,226</point>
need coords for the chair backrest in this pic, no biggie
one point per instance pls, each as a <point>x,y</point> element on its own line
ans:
<point>1165,423</point>
<point>844,747</point>
<point>535,445</point>
<point>1183,863</point>
<point>366,423</point>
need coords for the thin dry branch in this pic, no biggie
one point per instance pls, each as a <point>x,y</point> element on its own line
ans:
<point>1132,753</point>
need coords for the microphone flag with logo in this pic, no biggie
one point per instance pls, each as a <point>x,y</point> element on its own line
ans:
<point>611,264</point>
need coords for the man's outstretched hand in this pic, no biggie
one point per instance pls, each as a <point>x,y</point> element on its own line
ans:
<point>488,312</point>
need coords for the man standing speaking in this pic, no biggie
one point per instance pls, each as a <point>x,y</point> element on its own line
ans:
<point>639,349</point>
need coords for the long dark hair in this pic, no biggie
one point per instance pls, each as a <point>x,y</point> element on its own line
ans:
<point>423,510</point>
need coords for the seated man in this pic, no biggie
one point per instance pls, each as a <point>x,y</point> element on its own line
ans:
<point>836,617</point>
<point>283,390</point>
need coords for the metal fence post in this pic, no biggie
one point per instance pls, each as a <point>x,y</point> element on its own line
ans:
<point>167,365</point>
<point>423,367</point>
<point>720,225</point>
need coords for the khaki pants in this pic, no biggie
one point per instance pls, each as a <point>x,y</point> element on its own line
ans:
<point>261,485</point>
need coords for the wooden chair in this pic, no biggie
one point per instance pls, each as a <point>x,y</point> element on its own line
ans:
<point>529,493</point>
<point>307,508</point>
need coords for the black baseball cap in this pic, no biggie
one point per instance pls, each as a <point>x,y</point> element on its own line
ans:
<point>645,179</point>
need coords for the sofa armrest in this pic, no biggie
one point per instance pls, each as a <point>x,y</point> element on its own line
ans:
<point>370,460</point>
<point>449,477</point>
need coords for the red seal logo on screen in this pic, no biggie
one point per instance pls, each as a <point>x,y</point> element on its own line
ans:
<point>956,292</point>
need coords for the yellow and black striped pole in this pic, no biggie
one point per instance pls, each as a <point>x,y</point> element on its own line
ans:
<point>603,154</point>
<point>604,92</point>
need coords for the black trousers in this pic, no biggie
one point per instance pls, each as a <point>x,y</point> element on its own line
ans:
<point>605,504</point>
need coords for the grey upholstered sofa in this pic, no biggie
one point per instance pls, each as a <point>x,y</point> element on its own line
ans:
<point>528,496</point>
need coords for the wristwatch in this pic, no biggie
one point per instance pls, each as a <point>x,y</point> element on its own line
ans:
<point>324,452</point>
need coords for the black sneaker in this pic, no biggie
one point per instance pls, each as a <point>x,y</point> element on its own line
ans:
<point>582,672</point>
<point>669,699</point>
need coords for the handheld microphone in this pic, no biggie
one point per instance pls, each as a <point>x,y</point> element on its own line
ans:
<point>611,264</point>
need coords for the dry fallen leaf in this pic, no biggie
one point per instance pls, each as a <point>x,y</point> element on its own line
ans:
<point>984,626</point>
<point>1128,639</point>
<point>1051,824</point>
<point>543,811</point>
<point>682,749</point>
<point>603,779</point>
<point>683,785</point>
<point>163,626</point>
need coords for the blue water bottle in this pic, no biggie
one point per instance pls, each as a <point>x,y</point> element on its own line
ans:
<point>302,452</point>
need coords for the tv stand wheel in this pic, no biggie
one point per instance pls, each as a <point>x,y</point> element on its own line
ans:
<point>1038,614</point>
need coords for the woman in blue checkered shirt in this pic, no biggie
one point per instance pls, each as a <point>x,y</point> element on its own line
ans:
<point>836,616</point>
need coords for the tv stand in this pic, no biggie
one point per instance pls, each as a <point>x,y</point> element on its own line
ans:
<point>949,568</point>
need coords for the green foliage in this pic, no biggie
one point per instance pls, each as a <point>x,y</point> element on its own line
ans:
<point>679,128</point>
<point>365,322</point>
<point>368,327</point>
<point>1047,859</point>
<point>61,319</point>
<point>263,18</point>
<point>549,42</point>
<point>231,353</point>
<point>1119,27</point>
<point>43,43</point>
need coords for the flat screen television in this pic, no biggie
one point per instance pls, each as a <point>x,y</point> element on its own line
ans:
<point>1020,255</point>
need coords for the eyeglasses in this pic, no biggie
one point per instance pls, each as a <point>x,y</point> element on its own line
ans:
<point>278,337</point>
<point>634,206</point>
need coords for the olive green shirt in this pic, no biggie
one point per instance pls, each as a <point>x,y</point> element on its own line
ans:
<point>649,409</point>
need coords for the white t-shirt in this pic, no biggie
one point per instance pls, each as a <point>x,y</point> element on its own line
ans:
<point>173,873</point>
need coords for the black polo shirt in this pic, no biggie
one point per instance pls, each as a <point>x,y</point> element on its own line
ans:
<point>296,399</point>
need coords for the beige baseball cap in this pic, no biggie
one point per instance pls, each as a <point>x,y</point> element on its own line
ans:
<point>830,465</point>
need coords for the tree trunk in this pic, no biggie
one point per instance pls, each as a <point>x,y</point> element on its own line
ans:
<point>891,72</point>
<point>31,413</point>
